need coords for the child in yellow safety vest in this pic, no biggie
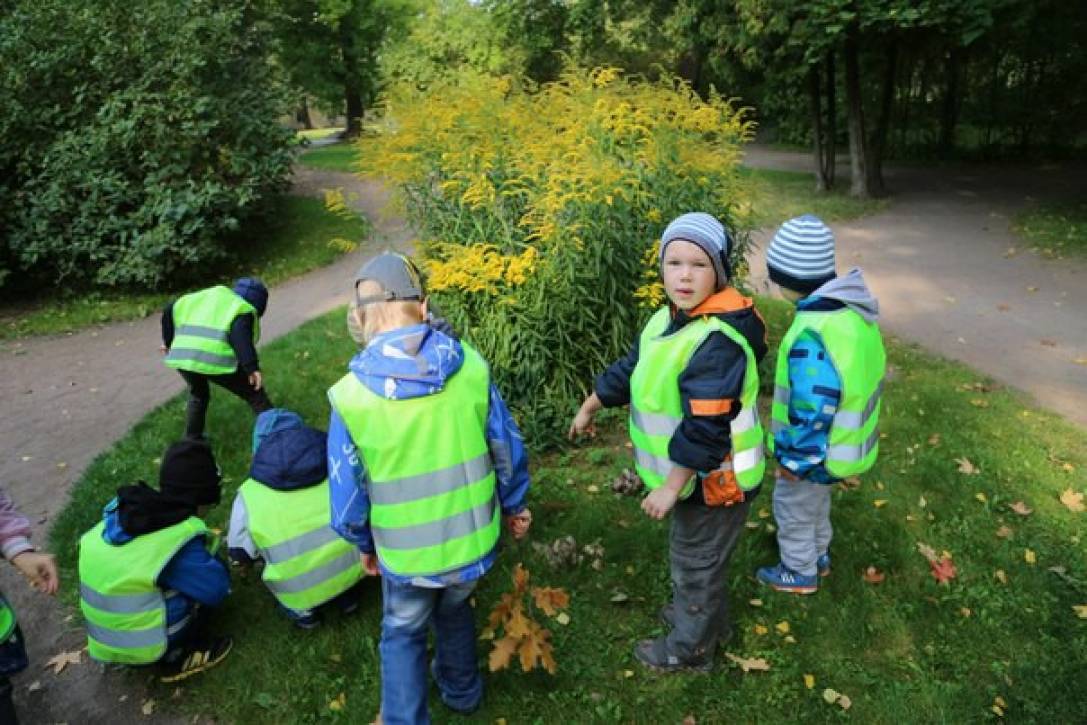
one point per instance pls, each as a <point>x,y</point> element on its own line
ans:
<point>41,572</point>
<point>281,517</point>
<point>210,336</point>
<point>827,388</point>
<point>691,381</point>
<point>425,463</point>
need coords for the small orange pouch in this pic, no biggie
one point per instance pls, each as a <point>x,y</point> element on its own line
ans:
<point>720,488</point>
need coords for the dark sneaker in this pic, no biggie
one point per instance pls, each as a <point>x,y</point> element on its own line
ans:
<point>307,621</point>
<point>195,659</point>
<point>652,653</point>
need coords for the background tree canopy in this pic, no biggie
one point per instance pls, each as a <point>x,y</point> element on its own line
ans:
<point>137,137</point>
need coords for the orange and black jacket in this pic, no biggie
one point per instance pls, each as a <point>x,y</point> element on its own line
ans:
<point>709,387</point>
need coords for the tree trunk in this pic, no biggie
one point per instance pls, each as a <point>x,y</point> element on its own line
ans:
<point>303,116</point>
<point>815,95</point>
<point>830,147</point>
<point>949,116</point>
<point>352,81</point>
<point>883,121</point>
<point>858,161</point>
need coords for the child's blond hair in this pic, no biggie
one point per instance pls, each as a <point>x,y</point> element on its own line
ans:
<point>377,317</point>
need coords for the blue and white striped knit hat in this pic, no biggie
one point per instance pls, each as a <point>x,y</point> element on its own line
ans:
<point>698,227</point>
<point>801,255</point>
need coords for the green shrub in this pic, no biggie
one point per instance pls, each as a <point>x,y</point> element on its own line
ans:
<point>540,212</point>
<point>137,136</point>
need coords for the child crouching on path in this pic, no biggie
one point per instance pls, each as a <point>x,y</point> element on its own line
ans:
<point>827,390</point>
<point>691,380</point>
<point>424,463</point>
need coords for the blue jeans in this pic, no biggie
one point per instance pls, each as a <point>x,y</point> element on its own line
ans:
<point>408,612</point>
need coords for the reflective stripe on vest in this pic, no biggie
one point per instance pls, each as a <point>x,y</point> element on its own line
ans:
<point>306,563</point>
<point>656,407</point>
<point>855,348</point>
<point>202,323</point>
<point>124,608</point>
<point>433,503</point>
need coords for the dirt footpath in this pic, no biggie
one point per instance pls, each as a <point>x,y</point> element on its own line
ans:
<point>65,399</point>
<point>950,275</point>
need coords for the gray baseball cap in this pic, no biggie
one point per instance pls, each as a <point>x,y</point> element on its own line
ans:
<point>396,274</point>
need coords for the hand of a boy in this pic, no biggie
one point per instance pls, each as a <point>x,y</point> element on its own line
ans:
<point>659,502</point>
<point>40,569</point>
<point>519,524</point>
<point>369,564</point>
<point>256,380</point>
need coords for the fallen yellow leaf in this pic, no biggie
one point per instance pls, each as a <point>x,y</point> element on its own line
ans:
<point>980,497</point>
<point>879,503</point>
<point>760,630</point>
<point>563,618</point>
<point>148,706</point>
<point>1073,500</point>
<point>59,661</point>
<point>1080,610</point>
<point>748,664</point>
<point>755,602</point>
<point>1029,556</point>
<point>809,681</point>
<point>1001,576</point>
<point>965,466</point>
<point>339,703</point>
<point>782,627</point>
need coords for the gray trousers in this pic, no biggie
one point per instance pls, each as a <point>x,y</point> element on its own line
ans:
<point>701,544</point>
<point>802,513</point>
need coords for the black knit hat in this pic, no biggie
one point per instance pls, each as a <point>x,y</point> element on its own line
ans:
<point>189,473</point>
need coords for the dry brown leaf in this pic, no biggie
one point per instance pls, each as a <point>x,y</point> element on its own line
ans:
<point>1073,500</point>
<point>59,661</point>
<point>965,466</point>
<point>1021,508</point>
<point>934,439</point>
<point>550,599</point>
<point>1047,342</point>
<point>749,664</point>
<point>927,551</point>
<point>1001,576</point>
<point>1003,308</point>
<point>500,656</point>
<point>1003,532</point>
<point>690,720</point>
<point>872,575</point>
<point>844,702</point>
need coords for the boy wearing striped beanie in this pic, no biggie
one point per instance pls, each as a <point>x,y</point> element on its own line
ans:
<point>827,389</point>
<point>691,380</point>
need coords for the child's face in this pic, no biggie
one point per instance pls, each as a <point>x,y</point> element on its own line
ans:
<point>688,274</point>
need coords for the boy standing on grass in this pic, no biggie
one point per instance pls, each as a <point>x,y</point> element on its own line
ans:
<point>148,570</point>
<point>691,380</point>
<point>281,516</point>
<point>210,336</point>
<point>827,390</point>
<point>424,463</point>
<point>40,571</point>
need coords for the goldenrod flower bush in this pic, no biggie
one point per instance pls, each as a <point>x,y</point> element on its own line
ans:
<point>539,210</point>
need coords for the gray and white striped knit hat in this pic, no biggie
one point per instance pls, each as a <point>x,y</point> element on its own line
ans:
<point>801,255</point>
<point>698,227</point>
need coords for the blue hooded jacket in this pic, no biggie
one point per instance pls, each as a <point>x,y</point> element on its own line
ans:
<point>287,456</point>
<point>412,362</point>
<point>193,576</point>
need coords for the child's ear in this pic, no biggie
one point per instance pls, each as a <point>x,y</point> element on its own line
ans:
<point>424,307</point>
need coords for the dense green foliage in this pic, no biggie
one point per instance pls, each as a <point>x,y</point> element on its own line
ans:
<point>137,137</point>
<point>905,650</point>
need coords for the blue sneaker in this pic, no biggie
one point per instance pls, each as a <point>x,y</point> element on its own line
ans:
<point>784,579</point>
<point>823,564</point>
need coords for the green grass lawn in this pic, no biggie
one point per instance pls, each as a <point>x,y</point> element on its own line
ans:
<point>908,649</point>
<point>334,157</point>
<point>782,195</point>
<point>296,240</point>
<point>1055,229</point>
<point>311,134</point>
